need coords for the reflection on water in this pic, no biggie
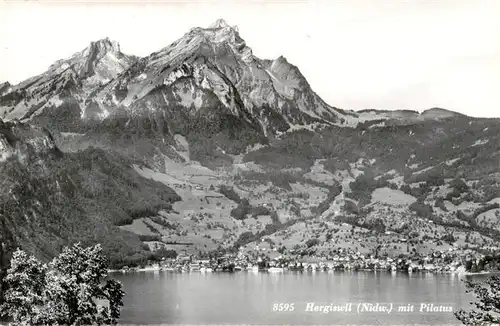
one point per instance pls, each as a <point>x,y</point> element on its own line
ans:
<point>248,298</point>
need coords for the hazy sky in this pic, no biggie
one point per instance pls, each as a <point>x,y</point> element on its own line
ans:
<point>355,54</point>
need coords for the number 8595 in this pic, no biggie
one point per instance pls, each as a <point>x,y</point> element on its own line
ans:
<point>283,307</point>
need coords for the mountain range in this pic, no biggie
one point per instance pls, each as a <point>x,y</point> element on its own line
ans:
<point>203,146</point>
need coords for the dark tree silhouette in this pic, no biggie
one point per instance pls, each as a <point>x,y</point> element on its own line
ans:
<point>73,289</point>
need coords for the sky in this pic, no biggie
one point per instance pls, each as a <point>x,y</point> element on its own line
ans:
<point>355,54</point>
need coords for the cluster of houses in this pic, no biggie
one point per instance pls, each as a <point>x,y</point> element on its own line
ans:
<point>439,262</point>
<point>188,186</point>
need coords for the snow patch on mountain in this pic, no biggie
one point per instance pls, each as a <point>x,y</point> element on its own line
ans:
<point>452,161</point>
<point>377,125</point>
<point>480,142</point>
<point>71,134</point>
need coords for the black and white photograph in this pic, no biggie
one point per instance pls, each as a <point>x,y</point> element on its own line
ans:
<point>295,162</point>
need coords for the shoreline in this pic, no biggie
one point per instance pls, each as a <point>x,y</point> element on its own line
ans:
<point>154,269</point>
<point>481,273</point>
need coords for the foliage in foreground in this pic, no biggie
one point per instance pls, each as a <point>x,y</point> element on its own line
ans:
<point>63,291</point>
<point>488,294</point>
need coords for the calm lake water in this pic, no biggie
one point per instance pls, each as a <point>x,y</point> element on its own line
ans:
<point>248,298</point>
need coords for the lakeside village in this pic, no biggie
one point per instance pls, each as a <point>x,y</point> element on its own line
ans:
<point>344,260</point>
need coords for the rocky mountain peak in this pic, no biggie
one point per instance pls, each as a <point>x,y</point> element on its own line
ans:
<point>217,60</point>
<point>218,39</point>
<point>96,51</point>
<point>220,32</point>
<point>103,46</point>
<point>219,23</point>
<point>281,59</point>
<point>244,84</point>
<point>67,81</point>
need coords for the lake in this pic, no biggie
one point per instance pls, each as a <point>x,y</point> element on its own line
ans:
<point>250,298</point>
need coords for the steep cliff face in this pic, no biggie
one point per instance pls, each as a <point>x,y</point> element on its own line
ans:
<point>5,87</point>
